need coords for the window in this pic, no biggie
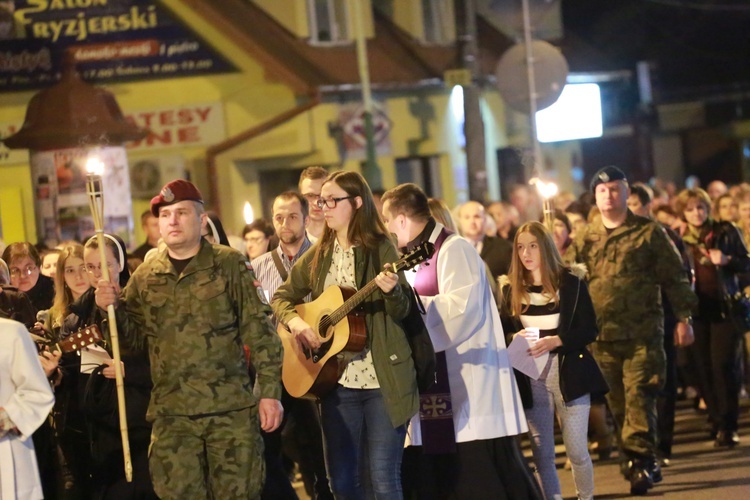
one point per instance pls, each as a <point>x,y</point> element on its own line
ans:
<point>328,21</point>
<point>437,18</point>
<point>424,171</point>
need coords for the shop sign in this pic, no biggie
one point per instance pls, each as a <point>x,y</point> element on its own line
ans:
<point>179,126</point>
<point>112,41</point>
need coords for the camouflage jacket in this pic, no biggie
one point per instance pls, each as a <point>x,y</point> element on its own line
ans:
<point>627,270</point>
<point>195,325</point>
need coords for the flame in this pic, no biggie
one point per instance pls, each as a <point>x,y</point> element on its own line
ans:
<point>247,211</point>
<point>546,189</point>
<point>94,166</point>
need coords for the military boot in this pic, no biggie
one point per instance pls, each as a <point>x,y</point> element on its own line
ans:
<point>640,477</point>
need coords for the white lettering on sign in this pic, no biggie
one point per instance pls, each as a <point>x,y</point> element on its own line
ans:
<point>190,125</point>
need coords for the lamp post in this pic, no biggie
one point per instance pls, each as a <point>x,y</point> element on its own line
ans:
<point>95,192</point>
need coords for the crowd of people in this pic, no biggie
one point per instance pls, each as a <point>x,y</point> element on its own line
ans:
<point>635,296</point>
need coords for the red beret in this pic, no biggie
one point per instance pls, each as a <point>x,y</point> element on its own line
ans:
<point>177,190</point>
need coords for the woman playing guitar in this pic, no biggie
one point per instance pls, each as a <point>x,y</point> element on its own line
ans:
<point>376,392</point>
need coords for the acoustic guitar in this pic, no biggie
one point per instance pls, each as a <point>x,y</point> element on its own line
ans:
<point>84,337</point>
<point>333,316</point>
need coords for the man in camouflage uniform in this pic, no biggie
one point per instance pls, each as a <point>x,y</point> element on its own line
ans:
<point>630,259</point>
<point>197,305</point>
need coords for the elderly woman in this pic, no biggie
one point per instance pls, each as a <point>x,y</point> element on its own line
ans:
<point>25,274</point>
<point>718,255</point>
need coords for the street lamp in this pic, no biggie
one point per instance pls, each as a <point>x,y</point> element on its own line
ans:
<point>95,191</point>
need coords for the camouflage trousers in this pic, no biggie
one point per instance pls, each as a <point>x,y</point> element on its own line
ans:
<point>635,370</point>
<point>212,457</point>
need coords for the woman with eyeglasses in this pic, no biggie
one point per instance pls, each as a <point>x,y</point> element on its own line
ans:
<point>259,238</point>
<point>24,263</point>
<point>96,392</point>
<point>376,394</point>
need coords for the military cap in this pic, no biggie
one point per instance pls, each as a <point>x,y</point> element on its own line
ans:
<point>607,174</point>
<point>172,192</point>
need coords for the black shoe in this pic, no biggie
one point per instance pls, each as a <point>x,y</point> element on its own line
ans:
<point>625,470</point>
<point>654,469</point>
<point>727,439</point>
<point>640,480</point>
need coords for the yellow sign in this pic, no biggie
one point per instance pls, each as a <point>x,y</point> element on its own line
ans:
<point>453,77</point>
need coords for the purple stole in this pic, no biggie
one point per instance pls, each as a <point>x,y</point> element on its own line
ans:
<point>435,408</point>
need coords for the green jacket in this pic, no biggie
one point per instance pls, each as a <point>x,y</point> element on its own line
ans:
<point>391,354</point>
<point>196,325</point>
<point>626,272</point>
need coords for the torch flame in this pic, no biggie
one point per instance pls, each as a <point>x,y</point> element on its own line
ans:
<point>248,213</point>
<point>94,166</point>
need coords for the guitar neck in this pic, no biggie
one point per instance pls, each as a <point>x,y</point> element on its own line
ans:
<point>356,299</point>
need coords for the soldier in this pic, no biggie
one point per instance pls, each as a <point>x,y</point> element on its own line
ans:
<point>196,304</point>
<point>630,260</point>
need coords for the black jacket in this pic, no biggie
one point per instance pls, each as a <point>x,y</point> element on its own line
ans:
<point>579,373</point>
<point>16,305</point>
<point>728,239</point>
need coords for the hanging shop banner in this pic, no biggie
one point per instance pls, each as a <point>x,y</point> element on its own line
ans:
<point>179,126</point>
<point>111,41</point>
<point>61,203</point>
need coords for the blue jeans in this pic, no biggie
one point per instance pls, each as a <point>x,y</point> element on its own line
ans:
<point>355,422</point>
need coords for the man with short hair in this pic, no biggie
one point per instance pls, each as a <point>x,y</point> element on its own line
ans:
<point>630,260</point>
<point>197,305</point>
<point>150,226</point>
<point>290,218</point>
<point>471,452</point>
<point>495,251</point>
<point>310,183</point>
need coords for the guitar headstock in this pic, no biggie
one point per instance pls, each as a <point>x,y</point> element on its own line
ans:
<point>420,254</point>
<point>86,336</point>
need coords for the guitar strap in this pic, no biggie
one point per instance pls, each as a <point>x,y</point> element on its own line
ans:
<point>279,265</point>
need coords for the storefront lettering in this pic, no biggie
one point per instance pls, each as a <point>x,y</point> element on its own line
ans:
<point>81,26</point>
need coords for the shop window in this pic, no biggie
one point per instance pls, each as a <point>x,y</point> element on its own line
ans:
<point>328,21</point>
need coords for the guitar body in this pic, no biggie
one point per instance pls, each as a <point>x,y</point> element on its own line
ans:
<point>313,374</point>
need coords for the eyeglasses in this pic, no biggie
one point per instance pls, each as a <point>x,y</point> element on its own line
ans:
<point>255,239</point>
<point>28,271</point>
<point>90,268</point>
<point>331,202</point>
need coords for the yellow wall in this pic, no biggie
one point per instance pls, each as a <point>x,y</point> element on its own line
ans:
<point>422,125</point>
<point>292,14</point>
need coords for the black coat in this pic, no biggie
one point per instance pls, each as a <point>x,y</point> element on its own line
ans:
<point>579,373</point>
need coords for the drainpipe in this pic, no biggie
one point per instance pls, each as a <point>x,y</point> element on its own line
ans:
<point>213,151</point>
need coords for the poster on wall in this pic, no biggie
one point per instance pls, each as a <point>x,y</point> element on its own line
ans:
<point>11,156</point>
<point>62,205</point>
<point>111,41</point>
<point>351,119</point>
<point>148,175</point>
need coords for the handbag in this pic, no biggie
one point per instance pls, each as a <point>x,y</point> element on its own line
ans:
<point>739,310</point>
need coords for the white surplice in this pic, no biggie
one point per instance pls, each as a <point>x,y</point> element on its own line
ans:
<point>26,396</point>
<point>464,322</point>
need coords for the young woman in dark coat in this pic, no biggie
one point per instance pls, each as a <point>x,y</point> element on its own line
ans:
<point>97,397</point>
<point>542,292</point>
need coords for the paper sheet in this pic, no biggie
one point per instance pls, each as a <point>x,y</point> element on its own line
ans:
<point>93,356</point>
<point>521,360</point>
